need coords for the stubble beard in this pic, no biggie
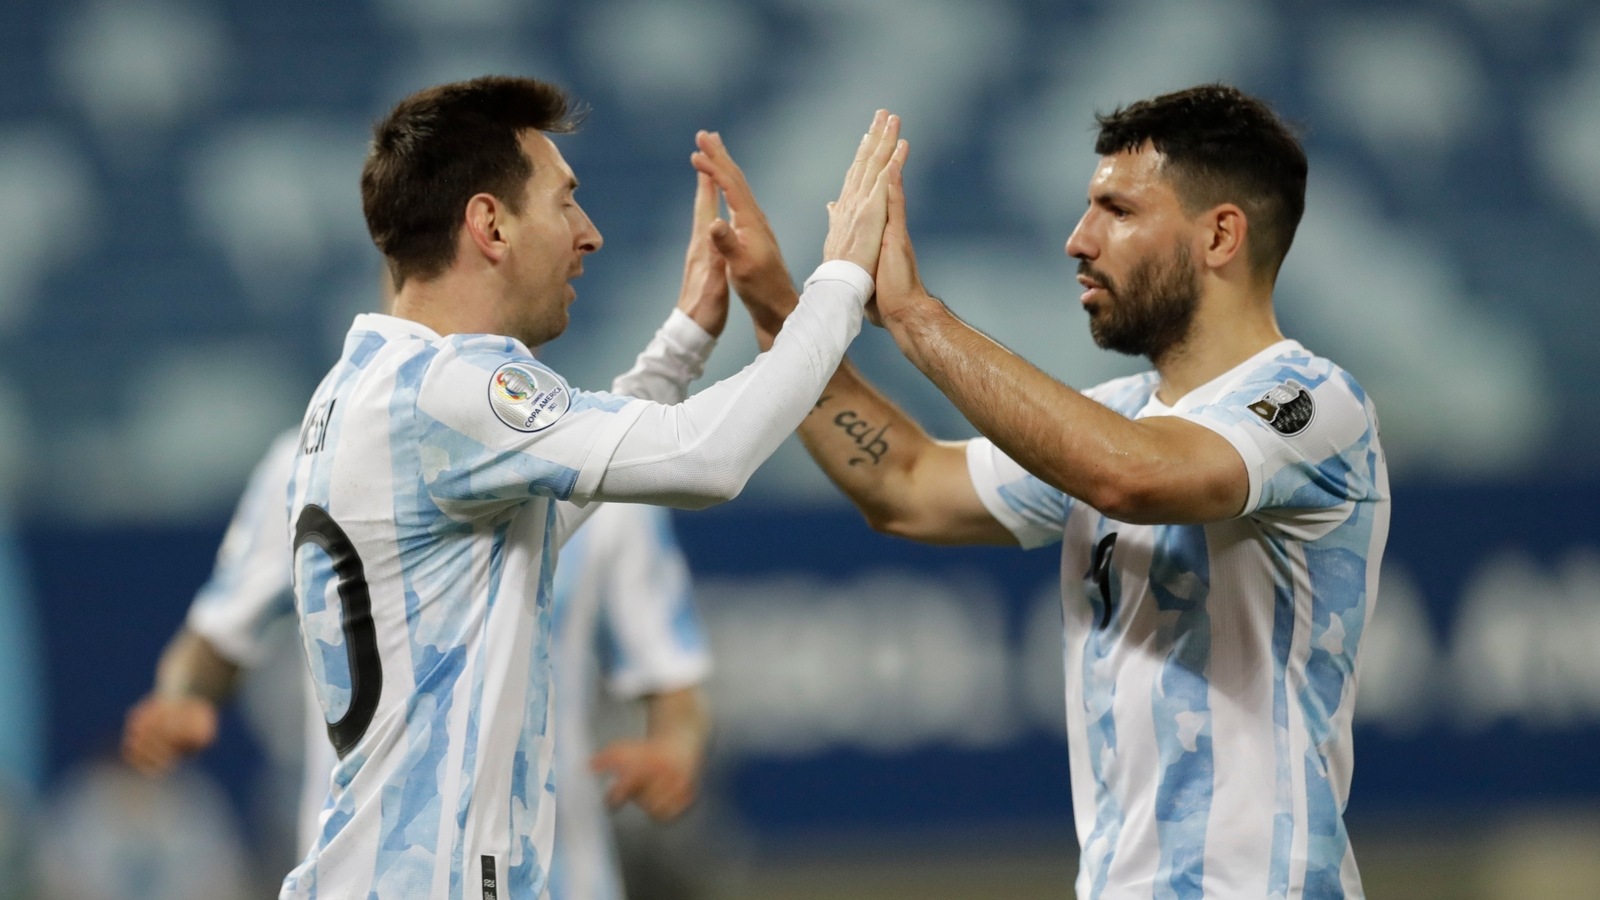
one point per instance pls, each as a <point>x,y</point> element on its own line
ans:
<point>1152,312</point>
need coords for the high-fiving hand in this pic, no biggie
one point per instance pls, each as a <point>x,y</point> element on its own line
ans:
<point>898,285</point>
<point>704,294</point>
<point>856,220</point>
<point>746,240</point>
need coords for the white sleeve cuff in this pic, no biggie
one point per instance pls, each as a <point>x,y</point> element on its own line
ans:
<point>1254,461</point>
<point>847,272</point>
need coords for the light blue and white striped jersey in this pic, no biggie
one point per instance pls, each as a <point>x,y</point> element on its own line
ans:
<point>622,607</point>
<point>423,505</point>
<point>1211,669</point>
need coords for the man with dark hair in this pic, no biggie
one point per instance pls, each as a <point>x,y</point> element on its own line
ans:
<point>1222,517</point>
<point>441,466</point>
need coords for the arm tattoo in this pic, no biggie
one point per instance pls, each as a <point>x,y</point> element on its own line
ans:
<point>870,443</point>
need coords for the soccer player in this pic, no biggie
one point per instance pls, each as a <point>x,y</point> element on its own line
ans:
<point>424,499</point>
<point>1222,516</point>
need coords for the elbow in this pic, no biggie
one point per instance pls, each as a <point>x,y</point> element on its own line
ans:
<point>1125,499</point>
<point>903,523</point>
<point>719,488</point>
<point>885,522</point>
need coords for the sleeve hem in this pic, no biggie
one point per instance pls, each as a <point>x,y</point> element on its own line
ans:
<point>1247,450</point>
<point>632,685</point>
<point>602,449</point>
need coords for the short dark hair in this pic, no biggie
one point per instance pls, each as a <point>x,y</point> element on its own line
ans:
<point>439,147</point>
<point>1221,145</point>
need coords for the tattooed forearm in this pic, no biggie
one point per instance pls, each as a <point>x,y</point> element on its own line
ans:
<point>870,443</point>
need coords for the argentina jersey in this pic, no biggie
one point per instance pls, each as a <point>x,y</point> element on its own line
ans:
<point>1211,668</point>
<point>623,611</point>
<point>421,507</point>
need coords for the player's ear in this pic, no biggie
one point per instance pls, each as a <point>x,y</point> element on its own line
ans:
<point>484,220</point>
<point>1226,229</point>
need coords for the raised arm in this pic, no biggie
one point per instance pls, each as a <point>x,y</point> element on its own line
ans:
<point>1157,469</point>
<point>677,354</point>
<point>903,481</point>
<point>703,450</point>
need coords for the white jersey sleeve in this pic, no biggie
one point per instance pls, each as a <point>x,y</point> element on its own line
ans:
<point>650,638</point>
<point>675,356</point>
<point>1032,510</point>
<point>249,589</point>
<point>703,450</point>
<point>1307,433</point>
<point>498,427</point>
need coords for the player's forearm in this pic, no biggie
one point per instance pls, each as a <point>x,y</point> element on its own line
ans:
<point>703,450</point>
<point>191,667</point>
<point>769,302</point>
<point>1117,465</point>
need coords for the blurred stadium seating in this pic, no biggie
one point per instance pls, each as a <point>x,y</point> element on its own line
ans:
<point>181,249</point>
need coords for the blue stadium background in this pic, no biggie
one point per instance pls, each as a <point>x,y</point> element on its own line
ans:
<point>181,249</point>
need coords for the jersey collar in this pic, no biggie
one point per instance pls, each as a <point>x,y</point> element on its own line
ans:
<point>393,327</point>
<point>1214,389</point>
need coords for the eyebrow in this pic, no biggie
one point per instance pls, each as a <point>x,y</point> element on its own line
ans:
<point>1111,198</point>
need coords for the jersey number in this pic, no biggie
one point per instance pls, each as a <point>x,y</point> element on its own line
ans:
<point>1100,571</point>
<point>315,526</point>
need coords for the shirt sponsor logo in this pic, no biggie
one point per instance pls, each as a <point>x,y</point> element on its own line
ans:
<point>527,398</point>
<point>1288,408</point>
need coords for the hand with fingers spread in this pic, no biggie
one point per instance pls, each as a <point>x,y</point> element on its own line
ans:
<point>754,263</point>
<point>704,295</point>
<point>856,220</point>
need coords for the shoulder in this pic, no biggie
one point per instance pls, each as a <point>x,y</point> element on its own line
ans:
<point>1126,395</point>
<point>1288,392</point>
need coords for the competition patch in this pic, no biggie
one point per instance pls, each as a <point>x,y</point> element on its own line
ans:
<point>527,398</point>
<point>1288,408</point>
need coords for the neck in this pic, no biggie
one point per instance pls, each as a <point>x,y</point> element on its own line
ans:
<point>1223,335</point>
<point>448,304</point>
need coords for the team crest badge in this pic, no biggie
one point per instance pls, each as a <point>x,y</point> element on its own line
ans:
<point>1288,408</point>
<point>527,398</point>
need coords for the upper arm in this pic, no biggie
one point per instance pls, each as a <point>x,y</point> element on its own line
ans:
<point>1187,473</point>
<point>494,429</point>
<point>1306,436</point>
<point>937,501</point>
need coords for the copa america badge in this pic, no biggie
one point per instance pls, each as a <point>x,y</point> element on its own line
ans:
<point>527,398</point>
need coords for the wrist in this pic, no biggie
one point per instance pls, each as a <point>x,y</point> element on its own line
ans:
<point>913,316</point>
